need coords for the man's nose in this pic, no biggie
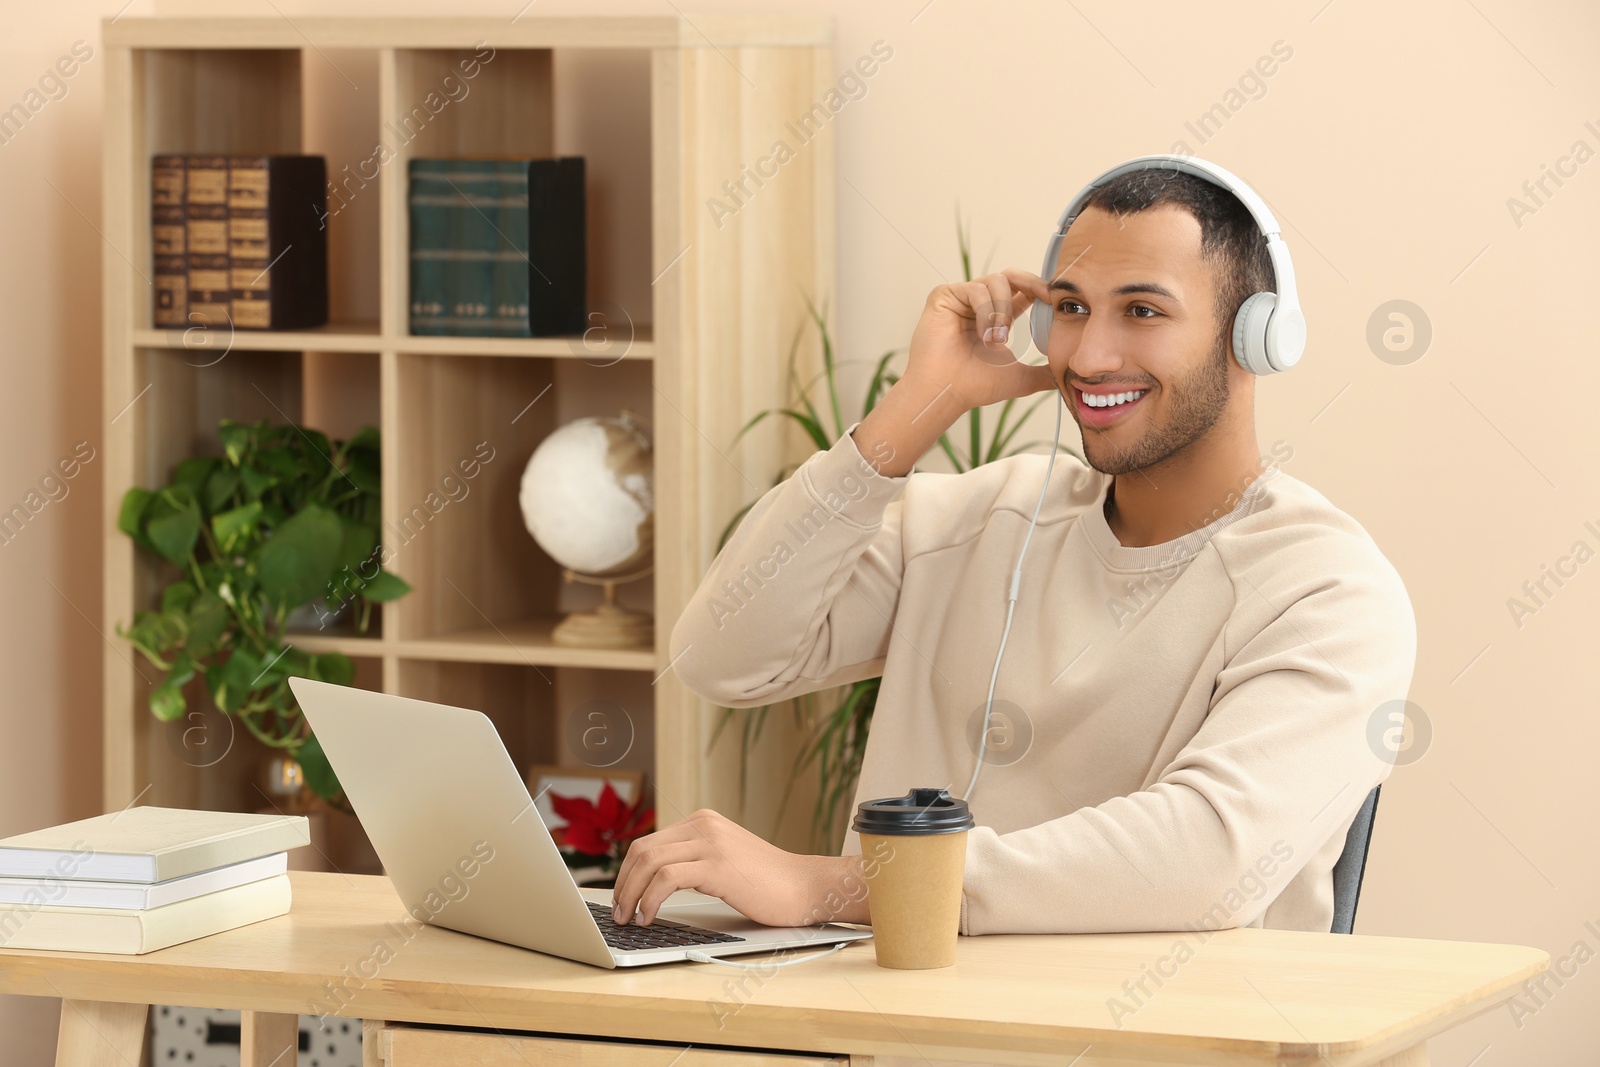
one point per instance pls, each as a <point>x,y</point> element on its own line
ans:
<point>1096,351</point>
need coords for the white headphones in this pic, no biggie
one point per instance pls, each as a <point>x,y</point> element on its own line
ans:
<point>1269,330</point>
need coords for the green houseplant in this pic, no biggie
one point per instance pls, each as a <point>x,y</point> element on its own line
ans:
<point>835,724</point>
<point>281,519</point>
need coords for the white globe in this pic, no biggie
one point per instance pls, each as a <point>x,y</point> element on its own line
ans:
<point>588,496</point>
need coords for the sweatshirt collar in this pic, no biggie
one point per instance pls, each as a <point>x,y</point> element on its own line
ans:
<point>1119,557</point>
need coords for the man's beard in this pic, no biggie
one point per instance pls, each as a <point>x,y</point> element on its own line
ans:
<point>1195,402</point>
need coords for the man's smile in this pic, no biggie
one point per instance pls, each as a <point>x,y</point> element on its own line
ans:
<point>1103,405</point>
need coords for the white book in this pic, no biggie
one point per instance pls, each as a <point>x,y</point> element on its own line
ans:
<point>127,932</point>
<point>75,893</point>
<point>149,844</point>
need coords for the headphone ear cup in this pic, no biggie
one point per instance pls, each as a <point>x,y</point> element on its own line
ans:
<point>1250,332</point>
<point>1039,324</point>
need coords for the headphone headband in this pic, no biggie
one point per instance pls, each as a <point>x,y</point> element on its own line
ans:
<point>1269,328</point>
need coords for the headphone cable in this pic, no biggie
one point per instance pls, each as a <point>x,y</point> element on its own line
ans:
<point>1011,606</point>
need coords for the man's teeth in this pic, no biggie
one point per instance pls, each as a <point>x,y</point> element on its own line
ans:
<point>1111,400</point>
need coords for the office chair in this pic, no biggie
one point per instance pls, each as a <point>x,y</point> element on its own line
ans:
<point>1352,863</point>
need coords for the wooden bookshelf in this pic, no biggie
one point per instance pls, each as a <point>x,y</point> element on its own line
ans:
<point>665,110</point>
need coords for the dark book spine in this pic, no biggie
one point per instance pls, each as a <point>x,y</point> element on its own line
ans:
<point>510,269</point>
<point>168,242</point>
<point>428,216</point>
<point>277,242</point>
<point>455,244</point>
<point>556,286</point>
<point>206,235</point>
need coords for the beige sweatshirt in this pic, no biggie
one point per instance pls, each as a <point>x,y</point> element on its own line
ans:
<point>1187,729</point>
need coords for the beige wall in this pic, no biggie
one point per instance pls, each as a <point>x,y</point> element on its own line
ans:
<point>1389,143</point>
<point>49,401</point>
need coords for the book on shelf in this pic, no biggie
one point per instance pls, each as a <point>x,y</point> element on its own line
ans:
<point>205,206</point>
<point>496,247</point>
<point>149,844</point>
<point>278,241</point>
<point>137,896</point>
<point>167,241</point>
<point>239,241</point>
<point>53,927</point>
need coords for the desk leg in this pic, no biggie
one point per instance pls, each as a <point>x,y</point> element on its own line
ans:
<point>95,1034</point>
<point>372,1054</point>
<point>268,1040</point>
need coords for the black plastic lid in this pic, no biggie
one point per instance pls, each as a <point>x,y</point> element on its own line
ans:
<point>921,811</point>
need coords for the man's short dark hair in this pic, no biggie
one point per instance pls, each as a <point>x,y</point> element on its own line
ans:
<point>1229,237</point>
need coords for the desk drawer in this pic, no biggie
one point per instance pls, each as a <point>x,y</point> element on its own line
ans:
<point>405,1046</point>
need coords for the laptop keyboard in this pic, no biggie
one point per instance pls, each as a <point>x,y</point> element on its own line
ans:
<point>662,933</point>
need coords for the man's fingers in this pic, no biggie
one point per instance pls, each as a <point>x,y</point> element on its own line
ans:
<point>1020,303</point>
<point>668,879</point>
<point>1024,282</point>
<point>994,319</point>
<point>644,856</point>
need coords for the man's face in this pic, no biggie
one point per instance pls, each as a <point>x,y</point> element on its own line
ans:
<point>1133,320</point>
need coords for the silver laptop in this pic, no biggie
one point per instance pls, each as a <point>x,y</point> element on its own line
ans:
<point>459,837</point>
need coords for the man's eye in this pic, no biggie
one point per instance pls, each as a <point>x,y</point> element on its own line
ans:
<point>1066,306</point>
<point>1143,307</point>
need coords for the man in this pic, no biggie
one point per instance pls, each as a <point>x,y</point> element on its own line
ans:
<point>1199,643</point>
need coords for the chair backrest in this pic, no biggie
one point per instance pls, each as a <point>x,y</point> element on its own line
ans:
<point>1352,863</point>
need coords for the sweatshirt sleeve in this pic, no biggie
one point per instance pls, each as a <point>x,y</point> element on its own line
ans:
<point>803,595</point>
<point>1281,763</point>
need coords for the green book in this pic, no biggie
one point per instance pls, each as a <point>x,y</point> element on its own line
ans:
<point>464,248</point>
<point>497,247</point>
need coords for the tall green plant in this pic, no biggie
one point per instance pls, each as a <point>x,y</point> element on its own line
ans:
<point>836,724</point>
<point>281,519</point>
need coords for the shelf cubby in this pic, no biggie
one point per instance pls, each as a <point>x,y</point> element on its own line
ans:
<point>691,317</point>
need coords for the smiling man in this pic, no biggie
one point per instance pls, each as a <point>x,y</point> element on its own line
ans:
<point>1200,640</point>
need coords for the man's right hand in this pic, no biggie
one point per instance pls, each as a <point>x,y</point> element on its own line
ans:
<point>959,360</point>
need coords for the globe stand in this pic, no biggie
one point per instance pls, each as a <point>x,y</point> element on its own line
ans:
<point>609,625</point>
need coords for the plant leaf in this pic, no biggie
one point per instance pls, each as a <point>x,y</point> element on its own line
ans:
<point>366,438</point>
<point>333,667</point>
<point>177,597</point>
<point>154,632</point>
<point>234,528</point>
<point>356,542</point>
<point>821,320</point>
<point>256,481</point>
<point>167,702</point>
<point>130,515</point>
<point>220,487</point>
<point>231,680</point>
<point>318,772</point>
<point>193,472</point>
<point>875,386</point>
<point>384,587</point>
<point>173,524</point>
<point>298,560</point>
<point>949,450</point>
<point>209,616</point>
<point>993,451</point>
<point>236,439</point>
<point>998,447</point>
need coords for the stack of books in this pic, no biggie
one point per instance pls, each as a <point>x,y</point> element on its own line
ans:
<point>239,241</point>
<point>145,878</point>
<point>496,247</point>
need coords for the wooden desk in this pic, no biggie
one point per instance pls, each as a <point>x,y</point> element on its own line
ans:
<point>1242,997</point>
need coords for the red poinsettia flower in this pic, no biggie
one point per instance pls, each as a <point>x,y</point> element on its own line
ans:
<point>595,828</point>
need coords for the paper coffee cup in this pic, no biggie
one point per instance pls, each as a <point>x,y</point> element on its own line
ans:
<point>913,856</point>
